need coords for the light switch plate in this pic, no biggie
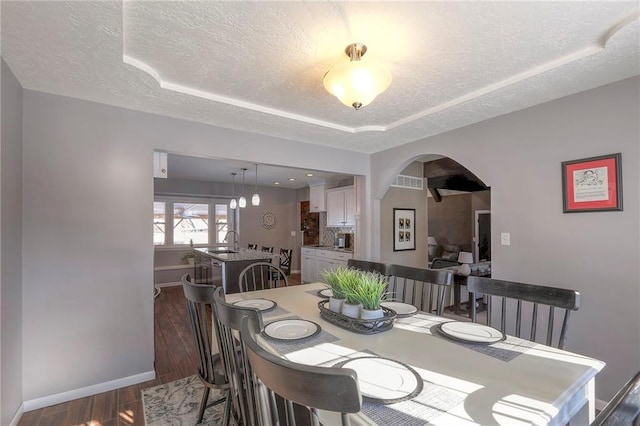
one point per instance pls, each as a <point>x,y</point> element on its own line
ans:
<point>293,233</point>
<point>505,239</point>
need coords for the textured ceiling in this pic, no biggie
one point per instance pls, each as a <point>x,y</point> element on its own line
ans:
<point>258,66</point>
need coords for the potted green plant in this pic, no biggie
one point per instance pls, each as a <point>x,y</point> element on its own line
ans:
<point>350,279</point>
<point>370,291</point>
<point>189,258</point>
<point>332,278</point>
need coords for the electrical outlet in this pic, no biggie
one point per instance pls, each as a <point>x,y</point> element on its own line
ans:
<point>505,239</point>
<point>293,233</point>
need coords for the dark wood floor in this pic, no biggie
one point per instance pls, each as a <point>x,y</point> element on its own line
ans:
<point>175,359</point>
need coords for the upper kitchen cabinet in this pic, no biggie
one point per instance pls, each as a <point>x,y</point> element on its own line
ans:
<point>317,198</point>
<point>341,206</point>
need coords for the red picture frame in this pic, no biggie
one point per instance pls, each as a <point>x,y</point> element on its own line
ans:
<point>592,184</point>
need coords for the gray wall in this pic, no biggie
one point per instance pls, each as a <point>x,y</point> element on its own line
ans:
<point>598,254</point>
<point>411,199</point>
<point>11,248</point>
<point>88,288</point>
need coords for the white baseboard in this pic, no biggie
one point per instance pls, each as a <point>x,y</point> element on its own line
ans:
<point>171,284</point>
<point>18,416</point>
<point>58,398</point>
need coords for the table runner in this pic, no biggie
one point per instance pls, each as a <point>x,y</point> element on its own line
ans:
<point>505,350</point>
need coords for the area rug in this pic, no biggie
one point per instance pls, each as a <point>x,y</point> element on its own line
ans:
<point>176,404</point>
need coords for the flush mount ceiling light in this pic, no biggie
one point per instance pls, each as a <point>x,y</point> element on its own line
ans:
<point>233,203</point>
<point>357,83</point>
<point>255,199</point>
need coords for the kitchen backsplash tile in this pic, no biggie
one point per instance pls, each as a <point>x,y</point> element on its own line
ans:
<point>328,234</point>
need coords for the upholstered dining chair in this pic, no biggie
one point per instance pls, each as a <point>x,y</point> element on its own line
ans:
<point>526,298</point>
<point>211,370</point>
<point>285,260</point>
<point>229,320</point>
<point>262,276</point>
<point>369,266</point>
<point>426,289</point>
<point>252,246</point>
<point>316,388</point>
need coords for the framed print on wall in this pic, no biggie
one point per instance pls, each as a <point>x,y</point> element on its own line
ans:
<point>404,229</point>
<point>592,184</point>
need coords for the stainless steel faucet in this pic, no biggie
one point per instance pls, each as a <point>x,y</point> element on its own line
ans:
<point>236,240</point>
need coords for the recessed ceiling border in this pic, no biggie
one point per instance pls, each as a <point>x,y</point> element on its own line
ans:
<point>599,45</point>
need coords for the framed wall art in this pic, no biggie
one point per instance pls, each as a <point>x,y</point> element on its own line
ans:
<point>404,229</point>
<point>592,184</point>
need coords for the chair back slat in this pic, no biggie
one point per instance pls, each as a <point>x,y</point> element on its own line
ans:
<point>229,320</point>
<point>534,295</point>
<point>425,289</point>
<point>211,371</point>
<point>324,388</point>
<point>262,276</point>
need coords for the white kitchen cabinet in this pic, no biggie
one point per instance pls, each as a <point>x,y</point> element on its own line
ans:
<point>317,198</point>
<point>341,207</point>
<point>316,261</point>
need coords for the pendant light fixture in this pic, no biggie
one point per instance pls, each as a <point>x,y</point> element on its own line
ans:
<point>255,198</point>
<point>242,201</point>
<point>356,83</point>
<point>233,203</point>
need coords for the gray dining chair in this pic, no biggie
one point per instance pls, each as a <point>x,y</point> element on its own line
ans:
<point>316,388</point>
<point>624,408</point>
<point>229,321</point>
<point>369,266</point>
<point>211,370</point>
<point>528,299</point>
<point>262,276</point>
<point>426,289</point>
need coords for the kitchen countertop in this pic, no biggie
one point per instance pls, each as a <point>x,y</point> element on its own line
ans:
<point>243,254</point>
<point>330,248</point>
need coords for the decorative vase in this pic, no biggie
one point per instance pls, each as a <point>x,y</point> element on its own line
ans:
<point>351,311</point>
<point>371,314</point>
<point>335,305</point>
<point>190,260</point>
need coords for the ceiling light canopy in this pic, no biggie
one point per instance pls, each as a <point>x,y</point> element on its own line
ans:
<point>357,83</point>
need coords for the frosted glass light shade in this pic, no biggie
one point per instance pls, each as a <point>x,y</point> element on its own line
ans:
<point>242,202</point>
<point>431,241</point>
<point>357,83</point>
<point>255,199</point>
<point>233,203</point>
<point>465,257</point>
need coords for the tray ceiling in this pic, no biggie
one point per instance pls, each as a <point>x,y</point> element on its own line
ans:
<point>258,66</point>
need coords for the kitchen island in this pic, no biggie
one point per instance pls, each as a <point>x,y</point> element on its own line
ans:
<point>221,266</point>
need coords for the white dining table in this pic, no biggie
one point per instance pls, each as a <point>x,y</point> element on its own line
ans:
<point>534,384</point>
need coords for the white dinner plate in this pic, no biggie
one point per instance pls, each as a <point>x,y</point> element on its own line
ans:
<point>291,329</point>
<point>383,379</point>
<point>471,332</point>
<point>326,292</point>
<point>262,304</point>
<point>402,309</point>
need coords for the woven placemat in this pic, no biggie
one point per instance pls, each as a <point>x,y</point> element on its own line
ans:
<point>505,350</point>
<point>285,347</point>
